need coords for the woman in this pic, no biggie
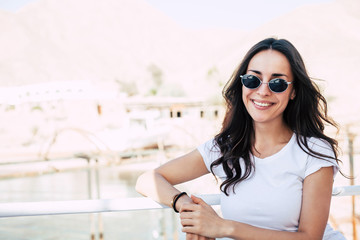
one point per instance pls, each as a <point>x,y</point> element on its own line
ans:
<point>275,162</point>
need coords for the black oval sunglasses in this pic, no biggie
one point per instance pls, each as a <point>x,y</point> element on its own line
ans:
<point>276,85</point>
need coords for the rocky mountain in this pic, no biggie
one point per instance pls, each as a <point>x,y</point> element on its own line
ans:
<point>116,42</point>
<point>100,41</point>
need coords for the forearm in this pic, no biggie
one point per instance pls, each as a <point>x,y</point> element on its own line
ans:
<point>159,184</point>
<point>241,231</point>
<point>155,186</point>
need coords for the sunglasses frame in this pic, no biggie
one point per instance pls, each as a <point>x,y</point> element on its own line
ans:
<point>261,82</point>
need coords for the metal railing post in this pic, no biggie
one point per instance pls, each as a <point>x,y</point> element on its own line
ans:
<point>351,137</point>
<point>90,196</point>
<point>97,179</point>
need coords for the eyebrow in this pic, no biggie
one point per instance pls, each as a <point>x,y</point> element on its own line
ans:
<point>274,74</point>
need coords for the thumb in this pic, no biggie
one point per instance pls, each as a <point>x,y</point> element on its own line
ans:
<point>197,200</point>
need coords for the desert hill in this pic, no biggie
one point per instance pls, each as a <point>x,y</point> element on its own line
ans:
<point>114,41</point>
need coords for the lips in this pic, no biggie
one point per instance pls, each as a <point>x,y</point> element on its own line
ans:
<point>262,104</point>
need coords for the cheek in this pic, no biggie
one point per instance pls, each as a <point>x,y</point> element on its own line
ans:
<point>284,101</point>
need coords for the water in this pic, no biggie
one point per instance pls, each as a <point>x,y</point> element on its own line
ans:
<point>114,183</point>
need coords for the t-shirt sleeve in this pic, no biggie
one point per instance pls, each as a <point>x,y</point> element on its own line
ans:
<point>209,152</point>
<point>314,164</point>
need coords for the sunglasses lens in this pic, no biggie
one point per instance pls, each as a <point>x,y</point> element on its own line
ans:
<point>250,81</point>
<point>278,85</point>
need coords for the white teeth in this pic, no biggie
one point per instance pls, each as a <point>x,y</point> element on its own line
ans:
<point>262,104</point>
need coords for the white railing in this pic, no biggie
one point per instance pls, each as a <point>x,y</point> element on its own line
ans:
<point>17,209</point>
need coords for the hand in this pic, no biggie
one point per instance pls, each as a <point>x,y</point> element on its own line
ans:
<point>191,236</point>
<point>200,219</point>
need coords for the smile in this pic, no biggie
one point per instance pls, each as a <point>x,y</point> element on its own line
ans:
<point>262,104</point>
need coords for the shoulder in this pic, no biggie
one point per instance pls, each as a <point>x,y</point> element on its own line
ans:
<point>319,143</point>
<point>319,146</point>
<point>306,147</point>
<point>209,148</point>
<point>319,154</point>
<point>210,152</point>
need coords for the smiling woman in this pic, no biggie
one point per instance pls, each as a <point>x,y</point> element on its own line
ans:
<point>269,99</point>
<point>272,156</point>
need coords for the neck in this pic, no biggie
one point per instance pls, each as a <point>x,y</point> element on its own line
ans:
<point>271,134</point>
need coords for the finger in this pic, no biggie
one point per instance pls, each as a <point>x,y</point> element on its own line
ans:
<point>187,222</point>
<point>198,200</point>
<point>188,229</point>
<point>203,238</point>
<point>191,236</point>
<point>188,207</point>
<point>186,215</point>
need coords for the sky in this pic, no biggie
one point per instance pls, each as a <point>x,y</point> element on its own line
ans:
<point>210,14</point>
<point>232,14</point>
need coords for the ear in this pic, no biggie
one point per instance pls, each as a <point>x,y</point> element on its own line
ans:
<point>292,95</point>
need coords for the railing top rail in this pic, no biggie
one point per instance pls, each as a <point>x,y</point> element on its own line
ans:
<point>17,209</point>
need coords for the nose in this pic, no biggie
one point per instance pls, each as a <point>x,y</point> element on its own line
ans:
<point>263,89</point>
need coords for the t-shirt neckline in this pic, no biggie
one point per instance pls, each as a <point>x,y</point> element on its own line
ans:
<point>277,154</point>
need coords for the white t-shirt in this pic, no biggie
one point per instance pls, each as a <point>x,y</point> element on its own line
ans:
<point>271,197</point>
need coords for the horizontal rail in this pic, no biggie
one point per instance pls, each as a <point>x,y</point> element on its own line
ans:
<point>79,155</point>
<point>18,209</point>
<point>346,190</point>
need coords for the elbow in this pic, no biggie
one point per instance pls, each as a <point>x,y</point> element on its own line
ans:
<point>308,236</point>
<point>139,184</point>
<point>142,183</point>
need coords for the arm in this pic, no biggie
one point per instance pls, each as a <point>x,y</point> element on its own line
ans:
<point>199,218</point>
<point>158,184</point>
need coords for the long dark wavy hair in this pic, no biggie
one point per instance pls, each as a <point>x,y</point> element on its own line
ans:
<point>305,115</point>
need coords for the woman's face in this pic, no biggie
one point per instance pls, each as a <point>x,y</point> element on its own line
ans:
<point>263,105</point>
